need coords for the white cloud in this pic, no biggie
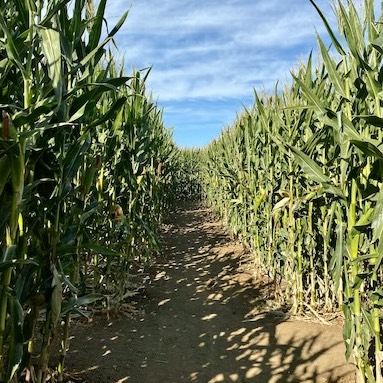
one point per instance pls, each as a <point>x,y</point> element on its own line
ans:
<point>215,50</point>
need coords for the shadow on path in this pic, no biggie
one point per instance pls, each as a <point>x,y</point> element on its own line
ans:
<point>205,321</point>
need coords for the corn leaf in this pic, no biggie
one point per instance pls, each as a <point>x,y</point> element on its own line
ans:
<point>95,33</point>
<point>315,173</point>
<point>332,69</point>
<point>51,45</point>
<point>5,171</point>
<point>16,351</point>
<point>368,148</point>
<point>98,249</point>
<point>11,46</point>
<point>329,30</point>
<point>377,219</point>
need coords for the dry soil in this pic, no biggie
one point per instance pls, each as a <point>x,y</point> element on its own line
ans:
<point>205,318</point>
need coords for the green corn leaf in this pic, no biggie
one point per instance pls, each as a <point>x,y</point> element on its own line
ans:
<point>22,9</point>
<point>377,298</point>
<point>358,280</point>
<point>377,219</point>
<point>108,84</point>
<point>365,218</point>
<point>5,265</point>
<point>74,302</point>
<point>119,24</point>
<point>368,148</point>
<point>378,44</point>
<point>373,32</point>
<point>377,235</point>
<point>23,118</point>
<point>348,128</point>
<point>10,46</point>
<point>16,351</point>
<point>374,87</point>
<point>96,50</point>
<point>281,204</point>
<point>8,256</point>
<point>314,172</point>
<point>5,171</point>
<point>311,96</point>
<point>332,69</point>
<point>74,157</point>
<point>348,331</point>
<point>261,197</point>
<point>89,213</point>
<point>372,120</point>
<point>51,45</point>
<point>100,249</point>
<point>366,257</point>
<point>114,108</point>
<point>363,223</point>
<point>352,29</point>
<point>79,113</point>
<point>77,24</point>
<point>336,262</point>
<point>56,299</point>
<point>368,320</point>
<point>88,99</point>
<point>118,121</point>
<point>53,10</point>
<point>95,33</point>
<point>308,76</point>
<point>329,30</point>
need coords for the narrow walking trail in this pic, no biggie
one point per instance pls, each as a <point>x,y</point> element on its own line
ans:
<point>205,319</point>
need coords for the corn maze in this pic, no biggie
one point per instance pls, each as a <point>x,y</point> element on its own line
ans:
<point>88,169</point>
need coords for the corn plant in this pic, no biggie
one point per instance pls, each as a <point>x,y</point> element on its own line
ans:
<point>85,167</point>
<point>187,179</point>
<point>298,178</point>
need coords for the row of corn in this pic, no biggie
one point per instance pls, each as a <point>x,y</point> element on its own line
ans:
<point>187,175</point>
<point>299,178</point>
<point>85,168</point>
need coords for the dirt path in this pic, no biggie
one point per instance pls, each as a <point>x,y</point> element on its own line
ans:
<point>205,320</point>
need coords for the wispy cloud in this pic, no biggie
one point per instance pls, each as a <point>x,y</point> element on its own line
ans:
<point>213,53</point>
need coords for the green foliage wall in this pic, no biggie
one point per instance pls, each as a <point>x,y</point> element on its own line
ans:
<point>299,179</point>
<point>85,171</point>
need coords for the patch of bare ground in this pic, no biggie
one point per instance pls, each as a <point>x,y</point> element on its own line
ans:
<point>205,319</point>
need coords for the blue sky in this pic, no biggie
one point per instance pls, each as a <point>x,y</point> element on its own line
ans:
<point>207,57</point>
